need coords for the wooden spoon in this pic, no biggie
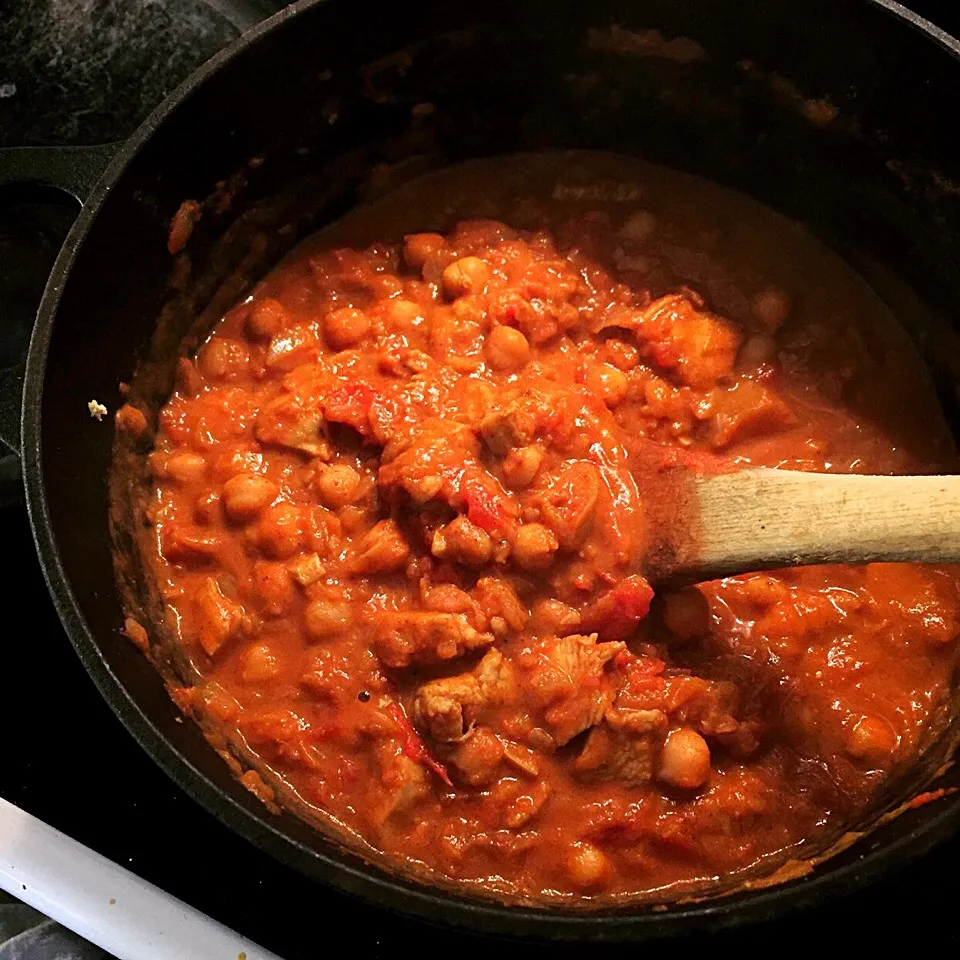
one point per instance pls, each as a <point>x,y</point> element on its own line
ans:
<point>727,523</point>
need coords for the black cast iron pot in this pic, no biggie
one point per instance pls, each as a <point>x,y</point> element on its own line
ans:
<point>322,95</point>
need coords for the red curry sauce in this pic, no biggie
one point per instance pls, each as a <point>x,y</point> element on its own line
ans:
<point>400,533</point>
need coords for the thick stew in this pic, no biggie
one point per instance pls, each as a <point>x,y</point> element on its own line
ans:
<point>398,523</point>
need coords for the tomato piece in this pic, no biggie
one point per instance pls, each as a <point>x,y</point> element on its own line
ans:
<point>350,405</point>
<point>486,503</point>
<point>615,614</point>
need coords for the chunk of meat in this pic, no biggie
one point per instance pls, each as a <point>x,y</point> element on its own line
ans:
<point>695,345</point>
<point>476,758</point>
<point>708,706</point>
<point>327,675</point>
<point>615,614</point>
<point>431,466</point>
<point>496,678</point>
<point>218,616</point>
<point>915,600</point>
<point>295,421</point>
<point>449,707</point>
<point>515,421</point>
<point>404,782</point>
<point>189,545</point>
<point>623,748</point>
<point>570,682</point>
<point>525,803</point>
<point>748,410</point>
<point>497,598</point>
<point>383,549</point>
<point>442,463</point>
<point>463,542</point>
<point>570,502</point>
<point>417,636</point>
<point>293,347</point>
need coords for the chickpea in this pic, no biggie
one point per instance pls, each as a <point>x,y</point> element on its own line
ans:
<point>131,420</point>
<point>246,494</point>
<point>771,307</point>
<point>686,613</point>
<point>157,464</point>
<point>639,226</point>
<point>222,357</point>
<point>280,531</point>
<point>464,542</point>
<point>402,316</point>
<point>507,348</point>
<point>258,664</point>
<point>535,546</point>
<point>466,275</point>
<point>520,466</point>
<point>587,867</point>
<point>759,349</point>
<point>236,460</point>
<point>419,247</point>
<point>473,399</point>
<point>353,520</point>
<point>186,467</point>
<point>872,739</point>
<point>384,285</point>
<point>684,760</point>
<point>337,485</point>
<point>624,356</point>
<point>608,383</point>
<point>345,327</point>
<point>325,619</point>
<point>267,318</point>
<point>274,589</point>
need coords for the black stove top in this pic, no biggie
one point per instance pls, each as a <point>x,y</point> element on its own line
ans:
<point>87,71</point>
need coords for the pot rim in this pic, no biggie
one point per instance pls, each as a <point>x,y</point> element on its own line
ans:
<point>369,883</point>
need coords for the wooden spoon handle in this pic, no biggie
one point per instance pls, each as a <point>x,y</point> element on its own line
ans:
<point>760,518</point>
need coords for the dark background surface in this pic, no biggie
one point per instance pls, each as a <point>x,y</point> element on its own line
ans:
<point>85,71</point>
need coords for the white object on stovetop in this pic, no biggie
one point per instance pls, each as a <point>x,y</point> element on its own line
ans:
<point>103,902</point>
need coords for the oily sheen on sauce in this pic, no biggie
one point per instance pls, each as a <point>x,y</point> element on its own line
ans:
<point>398,521</point>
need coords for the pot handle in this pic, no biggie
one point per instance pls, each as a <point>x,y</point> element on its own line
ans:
<point>71,170</point>
<point>74,170</point>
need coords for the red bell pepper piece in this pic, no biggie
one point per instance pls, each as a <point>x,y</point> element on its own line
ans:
<point>615,614</point>
<point>414,747</point>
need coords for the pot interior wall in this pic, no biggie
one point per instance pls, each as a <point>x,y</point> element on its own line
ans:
<point>327,100</point>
